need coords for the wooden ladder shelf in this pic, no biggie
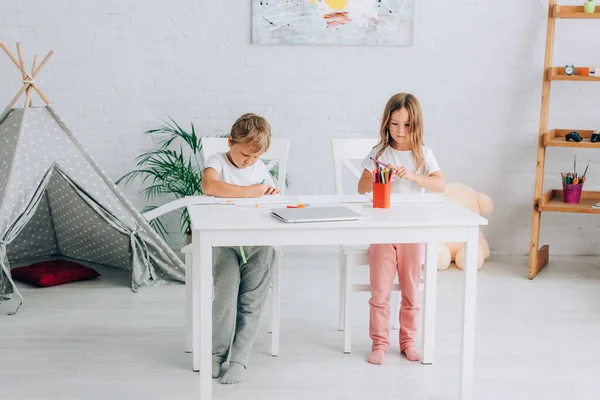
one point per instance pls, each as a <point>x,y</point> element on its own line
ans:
<point>552,200</point>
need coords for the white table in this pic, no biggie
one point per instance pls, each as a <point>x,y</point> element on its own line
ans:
<point>412,221</point>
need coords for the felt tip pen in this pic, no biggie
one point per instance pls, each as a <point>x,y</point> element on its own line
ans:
<point>378,162</point>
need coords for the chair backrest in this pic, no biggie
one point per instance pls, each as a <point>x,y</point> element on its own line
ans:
<point>276,155</point>
<point>345,150</point>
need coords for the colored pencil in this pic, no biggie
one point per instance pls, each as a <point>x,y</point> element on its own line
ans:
<point>586,168</point>
<point>378,162</point>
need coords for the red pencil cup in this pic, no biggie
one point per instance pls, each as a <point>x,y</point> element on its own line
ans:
<point>381,195</point>
<point>572,192</point>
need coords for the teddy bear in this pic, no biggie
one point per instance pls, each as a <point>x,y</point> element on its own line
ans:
<point>476,202</point>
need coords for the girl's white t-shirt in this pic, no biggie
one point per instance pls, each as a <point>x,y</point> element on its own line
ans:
<point>402,158</point>
<point>229,173</point>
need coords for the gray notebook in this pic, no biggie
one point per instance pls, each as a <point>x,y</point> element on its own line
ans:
<point>315,214</point>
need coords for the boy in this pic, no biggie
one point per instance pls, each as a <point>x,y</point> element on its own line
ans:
<point>241,274</point>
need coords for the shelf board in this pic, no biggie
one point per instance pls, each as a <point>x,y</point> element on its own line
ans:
<point>556,138</point>
<point>575,12</point>
<point>552,200</point>
<point>558,74</point>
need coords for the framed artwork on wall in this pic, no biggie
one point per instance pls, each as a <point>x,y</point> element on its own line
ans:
<point>333,22</point>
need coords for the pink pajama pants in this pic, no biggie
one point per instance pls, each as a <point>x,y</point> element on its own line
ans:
<point>385,260</point>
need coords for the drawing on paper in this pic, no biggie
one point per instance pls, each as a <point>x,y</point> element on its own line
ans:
<point>333,22</point>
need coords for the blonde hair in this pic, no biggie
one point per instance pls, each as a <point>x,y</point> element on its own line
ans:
<point>415,117</point>
<point>252,130</point>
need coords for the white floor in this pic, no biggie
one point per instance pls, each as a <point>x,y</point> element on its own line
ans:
<point>98,340</point>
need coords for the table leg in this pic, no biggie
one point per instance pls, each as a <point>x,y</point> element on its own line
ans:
<point>189,306</point>
<point>195,310</point>
<point>429,303</point>
<point>203,281</point>
<point>468,315</point>
<point>342,287</point>
<point>348,274</point>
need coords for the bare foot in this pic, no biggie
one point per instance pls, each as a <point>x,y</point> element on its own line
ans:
<point>234,374</point>
<point>376,357</point>
<point>412,353</point>
<point>216,369</point>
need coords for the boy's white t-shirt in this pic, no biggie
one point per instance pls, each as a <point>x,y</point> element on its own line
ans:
<point>229,173</point>
<point>402,158</point>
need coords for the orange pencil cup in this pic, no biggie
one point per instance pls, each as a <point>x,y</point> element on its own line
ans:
<point>381,195</point>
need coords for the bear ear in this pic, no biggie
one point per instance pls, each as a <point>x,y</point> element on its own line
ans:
<point>485,204</point>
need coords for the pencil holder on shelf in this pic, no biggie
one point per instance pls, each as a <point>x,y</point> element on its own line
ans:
<point>572,192</point>
<point>381,195</point>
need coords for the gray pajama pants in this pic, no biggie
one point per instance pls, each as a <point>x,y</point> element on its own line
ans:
<point>240,292</point>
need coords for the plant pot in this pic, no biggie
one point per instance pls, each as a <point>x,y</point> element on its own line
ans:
<point>188,237</point>
<point>589,6</point>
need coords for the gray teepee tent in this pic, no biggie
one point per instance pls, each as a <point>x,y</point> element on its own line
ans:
<point>56,201</point>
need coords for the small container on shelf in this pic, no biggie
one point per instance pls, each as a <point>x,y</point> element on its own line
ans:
<point>572,192</point>
<point>589,6</point>
<point>572,184</point>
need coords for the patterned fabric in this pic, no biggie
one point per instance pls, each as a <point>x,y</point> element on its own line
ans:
<point>81,233</point>
<point>8,144</point>
<point>57,201</point>
<point>37,239</point>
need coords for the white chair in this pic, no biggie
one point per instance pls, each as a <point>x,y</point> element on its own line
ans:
<point>277,154</point>
<point>344,151</point>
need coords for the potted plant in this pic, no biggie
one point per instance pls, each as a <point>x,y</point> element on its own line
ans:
<point>589,6</point>
<point>173,170</point>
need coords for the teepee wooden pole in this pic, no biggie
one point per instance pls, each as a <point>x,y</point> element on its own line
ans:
<point>42,95</point>
<point>34,73</point>
<point>16,98</point>
<point>10,55</point>
<point>28,96</point>
<point>21,61</point>
<point>16,62</point>
<point>35,59</point>
<point>26,75</point>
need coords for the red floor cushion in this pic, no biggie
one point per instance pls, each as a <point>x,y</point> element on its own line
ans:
<point>52,273</point>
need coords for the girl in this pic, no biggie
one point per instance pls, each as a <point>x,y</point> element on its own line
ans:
<point>415,171</point>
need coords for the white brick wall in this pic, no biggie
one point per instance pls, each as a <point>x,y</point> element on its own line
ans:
<point>476,67</point>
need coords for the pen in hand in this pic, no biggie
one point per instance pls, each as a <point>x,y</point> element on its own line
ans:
<point>378,162</point>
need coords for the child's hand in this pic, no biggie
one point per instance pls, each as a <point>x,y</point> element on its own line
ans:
<point>404,173</point>
<point>396,170</point>
<point>257,190</point>
<point>260,189</point>
<point>272,190</point>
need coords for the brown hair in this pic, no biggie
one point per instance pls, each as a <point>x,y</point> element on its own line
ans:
<point>252,130</point>
<point>415,117</point>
